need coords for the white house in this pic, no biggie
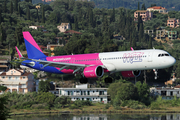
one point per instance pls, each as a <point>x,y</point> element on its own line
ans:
<point>17,80</point>
<point>82,92</point>
<point>63,27</point>
<point>166,92</point>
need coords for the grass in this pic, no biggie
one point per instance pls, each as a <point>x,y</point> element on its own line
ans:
<point>95,108</point>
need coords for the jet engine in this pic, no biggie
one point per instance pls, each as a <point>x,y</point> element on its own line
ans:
<point>93,71</point>
<point>131,73</point>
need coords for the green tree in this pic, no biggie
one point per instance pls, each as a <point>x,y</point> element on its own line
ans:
<point>19,10</point>
<point>43,15</point>
<point>138,6</point>
<point>2,88</point>
<point>1,19</point>
<point>11,8</point>
<point>5,6</point>
<point>4,111</point>
<point>44,86</point>
<point>112,19</point>
<point>143,7</point>
<point>143,92</point>
<point>150,42</point>
<point>28,13</point>
<point>16,5</point>
<point>63,101</point>
<point>127,91</point>
<point>45,97</point>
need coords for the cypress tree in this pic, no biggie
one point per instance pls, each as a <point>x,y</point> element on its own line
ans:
<point>43,16</point>
<point>11,8</point>
<point>141,32</point>
<point>75,23</point>
<point>138,6</point>
<point>112,19</point>
<point>5,6</point>
<point>91,22</point>
<point>37,16</point>
<point>143,7</point>
<point>19,10</point>
<point>0,16</point>
<point>16,5</point>
<point>28,13</point>
<point>150,42</point>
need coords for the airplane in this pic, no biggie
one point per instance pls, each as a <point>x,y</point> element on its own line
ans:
<point>94,65</point>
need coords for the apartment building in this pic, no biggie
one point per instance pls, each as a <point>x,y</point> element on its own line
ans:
<point>17,80</point>
<point>157,8</point>
<point>82,92</point>
<point>173,22</point>
<point>146,15</point>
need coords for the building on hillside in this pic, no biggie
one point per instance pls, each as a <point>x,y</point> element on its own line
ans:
<point>146,15</point>
<point>17,80</point>
<point>82,92</point>
<point>172,81</point>
<point>4,65</point>
<point>158,8</point>
<point>36,27</point>
<point>149,32</point>
<point>63,27</point>
<point>173,22</point>
<point>167,93</point>
<point>52,47</point>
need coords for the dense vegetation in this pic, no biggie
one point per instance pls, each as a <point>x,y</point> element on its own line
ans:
<point>40,100</point>
<point>131,4</point>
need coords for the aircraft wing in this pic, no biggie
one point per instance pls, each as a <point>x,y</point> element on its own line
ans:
<point>61,65</point>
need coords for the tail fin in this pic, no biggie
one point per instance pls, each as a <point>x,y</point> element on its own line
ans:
<point>33,50</point>
<point>19,53</point>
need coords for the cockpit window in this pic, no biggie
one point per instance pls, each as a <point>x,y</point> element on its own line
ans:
<point>164,54</point>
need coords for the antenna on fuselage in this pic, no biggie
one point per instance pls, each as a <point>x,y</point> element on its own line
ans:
<point>153,48</point>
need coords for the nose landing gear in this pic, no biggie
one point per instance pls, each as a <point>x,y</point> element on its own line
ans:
<point>155,72</point>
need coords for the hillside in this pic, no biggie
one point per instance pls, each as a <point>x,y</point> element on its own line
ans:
<point>132,4</point>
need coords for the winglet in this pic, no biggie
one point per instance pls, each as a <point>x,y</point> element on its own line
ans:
<point>132,49</point>
<point>19,53</point>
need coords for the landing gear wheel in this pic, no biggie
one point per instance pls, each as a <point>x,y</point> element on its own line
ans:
<point>83,80</point>
<point>108,80</point>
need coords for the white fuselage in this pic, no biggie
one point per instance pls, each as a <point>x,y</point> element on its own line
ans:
<point>136,60</point>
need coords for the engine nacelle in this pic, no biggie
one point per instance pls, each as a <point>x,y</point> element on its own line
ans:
<point>93,71</point>
<point>131,73</point>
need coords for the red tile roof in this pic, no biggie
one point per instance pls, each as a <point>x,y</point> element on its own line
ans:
<point>72,31</point>
<point>158,7</point>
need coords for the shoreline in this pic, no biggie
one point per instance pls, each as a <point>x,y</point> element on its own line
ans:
<point>95,111</point>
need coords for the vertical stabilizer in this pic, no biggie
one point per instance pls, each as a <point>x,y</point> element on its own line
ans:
<point>33,50</point>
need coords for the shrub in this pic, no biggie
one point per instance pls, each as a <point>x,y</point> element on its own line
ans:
<point>107,106</point>
<point>40,106</point>
<point>73,106</point>
<point>133,104</point>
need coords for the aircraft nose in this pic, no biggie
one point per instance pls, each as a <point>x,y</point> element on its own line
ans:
<point>172,61</point>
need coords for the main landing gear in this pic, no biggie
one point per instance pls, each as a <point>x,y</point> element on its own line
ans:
<point>155,72</point>
<point>108,80</point>
<point>83,80</point>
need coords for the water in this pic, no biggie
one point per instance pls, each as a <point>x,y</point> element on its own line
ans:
<point>100,117</point>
